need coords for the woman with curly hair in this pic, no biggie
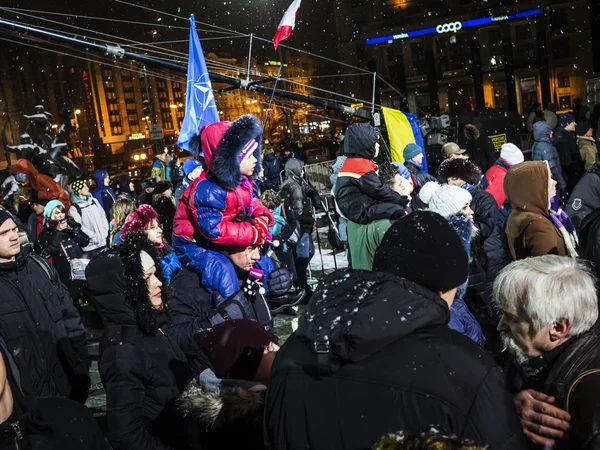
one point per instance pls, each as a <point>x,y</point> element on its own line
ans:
<point>145,220</point>
<point>118,213</point>
<point>430,438</point>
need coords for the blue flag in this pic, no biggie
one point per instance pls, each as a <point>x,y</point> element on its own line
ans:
<point>200,107</point>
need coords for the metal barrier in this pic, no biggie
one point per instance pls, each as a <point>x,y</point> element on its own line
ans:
<point>318,175</point>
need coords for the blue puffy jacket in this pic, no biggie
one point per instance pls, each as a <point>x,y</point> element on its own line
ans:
<point>461,319</point>
<point>169,264</point>
<point>543,150</point>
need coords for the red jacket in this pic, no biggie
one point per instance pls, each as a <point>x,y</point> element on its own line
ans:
<point>46,187</point>
<point>494,180</point>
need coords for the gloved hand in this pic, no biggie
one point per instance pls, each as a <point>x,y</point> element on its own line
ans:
<point>259,236</point>
<point>261,225</point>
<point>72,223</point>
<point>208,381</point>
<point>279,282</point>
<point>254,283</point>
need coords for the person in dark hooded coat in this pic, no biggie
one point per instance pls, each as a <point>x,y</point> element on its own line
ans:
<point>359,194</point>
<point>479,148</point>
<point>373,354</point>
<point>272,167</point>
<point>125,188</point>
<point>142,369</point>
<point>103,192</point>
<point>544,150</point>
<point>585,197</point>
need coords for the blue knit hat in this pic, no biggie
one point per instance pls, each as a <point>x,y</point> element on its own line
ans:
<point>565,119</point>
<point>411,150</point>
<point>189,165</point>
<point>404,173</point>
<point>50,207</point>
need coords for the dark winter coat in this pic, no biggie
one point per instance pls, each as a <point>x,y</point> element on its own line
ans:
<point>104,194</point>
<point>419,179</point>
<point>295,192</point>
<point>272,168</point>
<point>142,369</point>
<point>165,208</point>
<point>585,197</point>
<point>358,188</point>
<point>387,363</point>
<point>485,215</point>
<point>49,243</point>
<point>34,227</point>
<point>578,355</point>
<point>543,150</point>
<point>193,308</point>
<point>481,152</point>
<point>568,153</point>
<point>50,423</point>
<point>529,230</point>
<point>589,240</point>
<point>42,329</point>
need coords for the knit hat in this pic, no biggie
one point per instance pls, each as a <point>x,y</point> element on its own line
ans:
<point>411,150</point>
<point>149,183</point>
<point>50,207</point>
<point>459,168</point>
<point>247,150</point>
<point>566,119</point>
<point>446,200</point>
<point>77,186</point>
<point>190,165</point>
<point>423,248</point>
<point>404,173</point>
<point>511,154</point>
<point>20,177</point>
<point>4,216</point>
<point>582,128</point>
<point>140,219</point>
<point>162,186</point>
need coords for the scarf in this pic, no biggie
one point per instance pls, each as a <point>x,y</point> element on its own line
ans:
<point>561,221</point>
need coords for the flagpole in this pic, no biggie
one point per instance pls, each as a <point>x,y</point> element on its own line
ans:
<point>272,95</point>
<point>249,59</point>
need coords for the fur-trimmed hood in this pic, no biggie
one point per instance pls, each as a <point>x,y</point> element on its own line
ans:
<point>223,164</point>
<point>116,279</point>
<point>459,168</point>
<point>214,409</point>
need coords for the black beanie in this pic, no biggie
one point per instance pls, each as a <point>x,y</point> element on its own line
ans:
<point>582,128</point>
<point>423,248</point>
<point>4,216</point>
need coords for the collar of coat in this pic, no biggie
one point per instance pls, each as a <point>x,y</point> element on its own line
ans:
<point>357,167</point>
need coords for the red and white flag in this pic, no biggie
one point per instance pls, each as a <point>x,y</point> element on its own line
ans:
<point>287,24</point>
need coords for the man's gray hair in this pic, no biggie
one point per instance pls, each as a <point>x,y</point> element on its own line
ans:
<point>549,288</point>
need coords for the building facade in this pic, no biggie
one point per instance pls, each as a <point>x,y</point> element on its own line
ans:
<point>454,56</point>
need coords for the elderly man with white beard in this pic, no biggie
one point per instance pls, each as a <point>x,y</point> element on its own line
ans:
<point>550,328</point>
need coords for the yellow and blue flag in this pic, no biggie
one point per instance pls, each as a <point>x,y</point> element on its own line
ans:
<point>403,129</point>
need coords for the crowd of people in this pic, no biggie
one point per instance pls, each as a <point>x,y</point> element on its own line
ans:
<point>467,318</point>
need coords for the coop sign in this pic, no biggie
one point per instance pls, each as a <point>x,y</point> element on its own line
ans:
<point>449,27</point>
<point>452,27</point>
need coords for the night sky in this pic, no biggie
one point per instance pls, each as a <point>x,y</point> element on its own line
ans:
<point>315,28</point>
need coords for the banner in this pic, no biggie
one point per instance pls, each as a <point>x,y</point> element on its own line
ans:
<point>403,129</point>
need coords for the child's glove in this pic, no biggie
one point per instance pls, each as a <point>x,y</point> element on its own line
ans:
<point>254,283</point>
<point>261,228</point>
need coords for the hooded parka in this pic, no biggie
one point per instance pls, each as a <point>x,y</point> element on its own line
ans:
<point>142,369</point>
<point>372,355</point>
<point>359,194</point>
<point>529,230</point>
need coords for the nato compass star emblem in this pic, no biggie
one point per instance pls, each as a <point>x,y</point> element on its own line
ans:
<point>203,94</point>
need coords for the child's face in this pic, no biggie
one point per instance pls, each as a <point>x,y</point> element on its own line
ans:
<point>247,166</point>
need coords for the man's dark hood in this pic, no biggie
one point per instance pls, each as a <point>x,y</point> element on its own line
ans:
<point>360,140</point>
<point>354,314</point>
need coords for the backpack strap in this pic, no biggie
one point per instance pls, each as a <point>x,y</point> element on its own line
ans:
<point>78,208</point>
<point>575,383</point>
<point>45,265</point>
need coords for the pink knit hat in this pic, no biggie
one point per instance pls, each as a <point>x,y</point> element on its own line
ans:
<point>140,219</point>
